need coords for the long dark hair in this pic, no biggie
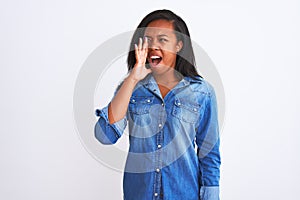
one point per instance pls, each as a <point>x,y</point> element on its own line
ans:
<point>185,59</point>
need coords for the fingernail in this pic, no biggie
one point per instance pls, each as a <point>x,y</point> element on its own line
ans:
<point>135,45</point>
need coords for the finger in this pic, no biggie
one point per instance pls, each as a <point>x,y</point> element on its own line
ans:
<point>140,43</point>
<point>145,54</point>
<point>145,45</point>
<point>136,51</point>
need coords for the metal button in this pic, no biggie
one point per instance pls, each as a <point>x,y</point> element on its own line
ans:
<point>195,109</point>
<point>179,103</point>
<point>159,125</point>
<point>159,146</point>
<point>162,104</point>
<point>157,170</point>
<point>155,194</point>
<point>133,100</point>
<point>148,100</point>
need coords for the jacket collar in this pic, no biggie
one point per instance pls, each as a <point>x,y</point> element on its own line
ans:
<point>149,81</point>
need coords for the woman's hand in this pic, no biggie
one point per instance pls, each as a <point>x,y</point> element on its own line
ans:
<point>139,70</point>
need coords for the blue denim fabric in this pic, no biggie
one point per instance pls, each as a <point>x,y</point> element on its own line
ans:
<point>174,141</point>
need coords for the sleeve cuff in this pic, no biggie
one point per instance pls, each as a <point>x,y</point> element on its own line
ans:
<point>118,126</point>
<point>209,193</point>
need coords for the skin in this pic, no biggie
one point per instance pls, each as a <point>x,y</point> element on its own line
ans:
<point>162,41</point>
<point>159,39</point>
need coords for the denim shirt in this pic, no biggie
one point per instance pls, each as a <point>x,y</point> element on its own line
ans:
<point>174,141</point>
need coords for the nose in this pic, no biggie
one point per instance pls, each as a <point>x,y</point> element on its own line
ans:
<point>153,44</point>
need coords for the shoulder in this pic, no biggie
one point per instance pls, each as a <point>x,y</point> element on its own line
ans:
<point>200,85</point>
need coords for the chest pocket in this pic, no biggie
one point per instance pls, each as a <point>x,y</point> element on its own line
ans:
<point>186,110</point>
<point>140,105</point>
<point>139,111</point>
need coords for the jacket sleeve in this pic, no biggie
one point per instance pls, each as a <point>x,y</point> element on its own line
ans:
<point>208,142</point>
<point>105,132</point>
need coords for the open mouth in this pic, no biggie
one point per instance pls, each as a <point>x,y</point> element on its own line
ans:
<point>154,60</point>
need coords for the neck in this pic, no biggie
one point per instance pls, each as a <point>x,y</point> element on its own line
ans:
<point>168,78</point>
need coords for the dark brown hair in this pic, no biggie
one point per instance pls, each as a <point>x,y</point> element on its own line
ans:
<point>185,59</point>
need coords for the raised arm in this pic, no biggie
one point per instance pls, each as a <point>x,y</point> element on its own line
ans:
<point>112,121</point>
<point>118,106</point>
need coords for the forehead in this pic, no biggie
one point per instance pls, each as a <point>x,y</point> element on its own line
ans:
<point>160,27</point>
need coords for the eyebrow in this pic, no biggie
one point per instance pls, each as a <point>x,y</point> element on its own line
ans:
<point>162,35</point>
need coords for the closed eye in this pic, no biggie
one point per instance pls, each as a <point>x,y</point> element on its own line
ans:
<point>148,39</point>
<point>163,40</point>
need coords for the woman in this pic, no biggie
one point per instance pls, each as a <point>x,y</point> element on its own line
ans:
<point>169,108</point>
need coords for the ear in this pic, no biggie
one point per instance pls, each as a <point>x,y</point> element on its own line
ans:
<point>179,46</point>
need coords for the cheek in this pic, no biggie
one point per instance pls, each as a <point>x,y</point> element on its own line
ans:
<point>170,48</point>
<point>169,56</point>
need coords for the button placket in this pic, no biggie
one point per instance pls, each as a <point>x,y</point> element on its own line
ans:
<point>158,160</point>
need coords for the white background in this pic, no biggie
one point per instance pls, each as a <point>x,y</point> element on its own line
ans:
<point>254,44</point>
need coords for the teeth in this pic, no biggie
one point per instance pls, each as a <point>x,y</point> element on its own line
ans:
<point>155,57</point>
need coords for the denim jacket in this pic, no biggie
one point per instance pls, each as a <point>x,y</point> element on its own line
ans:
<point>174,141</point>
